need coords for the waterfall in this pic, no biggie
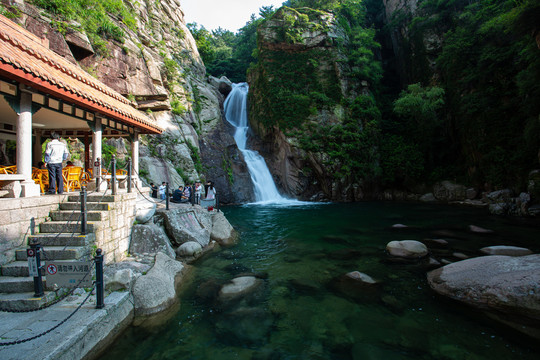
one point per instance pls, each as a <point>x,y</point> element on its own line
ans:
<point>236,113</point>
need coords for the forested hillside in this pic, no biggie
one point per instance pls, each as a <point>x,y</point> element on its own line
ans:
<point>432,90</point>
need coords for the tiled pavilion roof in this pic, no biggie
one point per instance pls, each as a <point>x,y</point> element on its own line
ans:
<point>25,59</point>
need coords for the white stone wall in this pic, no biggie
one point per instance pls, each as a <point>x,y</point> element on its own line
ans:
<point>20,217</point>
<point>114,231</point>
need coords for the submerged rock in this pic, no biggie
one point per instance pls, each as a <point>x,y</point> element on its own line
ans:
<point>497,284</point>
<point>245,325</point>
<point>479,230</point>
<point>361,277</point>
<point>239,287</point>
<point>355,285</point>
<point>410,249</point>
<point>506,250</point>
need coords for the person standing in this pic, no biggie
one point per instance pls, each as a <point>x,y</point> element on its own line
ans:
<point>197,189</point>
<point>211,192</point>
<point>154,189</point>
<point>162,190</point>
<point>55,152</point>
<point>187,192</point>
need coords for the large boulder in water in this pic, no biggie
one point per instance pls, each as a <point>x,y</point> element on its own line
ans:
<point>410,249</point>
<point>498,284</point>
<point>156,291</point>
<point>222,230</point>
<point>187,223</point>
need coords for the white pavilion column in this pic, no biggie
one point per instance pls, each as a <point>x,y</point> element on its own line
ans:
<point>24,145</point>
<point>96,148</point>
<point>135,156</point>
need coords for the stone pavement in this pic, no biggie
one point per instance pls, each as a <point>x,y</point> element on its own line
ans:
<point>83,335</point>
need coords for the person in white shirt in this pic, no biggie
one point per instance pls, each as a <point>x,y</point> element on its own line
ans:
<point>211,193</point>
<point>198,191</point>
<point>55,152</point>
<point>162,190</point>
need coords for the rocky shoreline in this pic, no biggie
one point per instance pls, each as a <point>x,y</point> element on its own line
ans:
<point>163,244</point>
<point>499,202</point>
<point>504,284</point>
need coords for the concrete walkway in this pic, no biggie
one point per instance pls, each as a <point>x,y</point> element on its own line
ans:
<point>85,333</point>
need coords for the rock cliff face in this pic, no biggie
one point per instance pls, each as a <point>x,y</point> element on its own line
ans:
<point>158,66</point>
<point>304,56</point>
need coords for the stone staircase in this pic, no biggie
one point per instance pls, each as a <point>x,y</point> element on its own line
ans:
<point>61,240</point>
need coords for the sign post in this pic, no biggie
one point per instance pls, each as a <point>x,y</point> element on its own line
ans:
<point>34,267</point>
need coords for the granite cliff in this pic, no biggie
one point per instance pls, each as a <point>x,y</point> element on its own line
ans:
<point>154,62</point>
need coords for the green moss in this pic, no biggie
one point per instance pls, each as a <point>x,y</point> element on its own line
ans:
<point>95,20</point>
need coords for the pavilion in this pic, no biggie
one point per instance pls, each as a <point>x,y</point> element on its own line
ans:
<point>41,92</point>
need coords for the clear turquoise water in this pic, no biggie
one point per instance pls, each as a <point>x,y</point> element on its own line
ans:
<point>303,312</point>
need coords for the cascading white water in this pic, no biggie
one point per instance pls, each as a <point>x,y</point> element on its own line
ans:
<point>236,113</point>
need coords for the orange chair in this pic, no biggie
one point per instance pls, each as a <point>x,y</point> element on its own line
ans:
<point>8,169</point>
<point>41,177</point>
<point>86,177</point>
<point>72,177</point>
<point>121,172</point>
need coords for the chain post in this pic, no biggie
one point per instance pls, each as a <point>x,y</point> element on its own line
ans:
<point>100,304</point>
<point>38,281</point>
<point>129,175</point>
<point>167,196</point>
<point>113,175</point>
<point>84,212</point>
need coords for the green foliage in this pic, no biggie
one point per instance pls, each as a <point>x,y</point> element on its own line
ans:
<point>227,167</point>
<point>12,12</point>
<point>180,172</point>
<point>107,152</point>
<point>94,17</point>
<point>418,107</point>
<point>227,54</point>
<point>491,72</point>
<point>177,108</point>
<point>401,160</point>
<point>195,156</point>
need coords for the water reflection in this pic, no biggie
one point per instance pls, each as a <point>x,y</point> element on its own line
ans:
<point>301,308</point>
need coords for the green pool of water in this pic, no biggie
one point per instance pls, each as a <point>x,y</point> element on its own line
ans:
<point>303,311</point>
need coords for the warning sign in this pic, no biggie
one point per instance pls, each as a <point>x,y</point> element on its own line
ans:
<point>69,274</point>
<point>32,263</point>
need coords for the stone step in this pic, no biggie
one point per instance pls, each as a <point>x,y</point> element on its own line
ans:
<point>16,284</point>
<point>63,227</point>
<point>62,239</point>
<point>56,253</point>
<point>90,206</point>
<point>27,301</point>
<point>76,215</point>
<point>98,198</point>
<point>16,268</point>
